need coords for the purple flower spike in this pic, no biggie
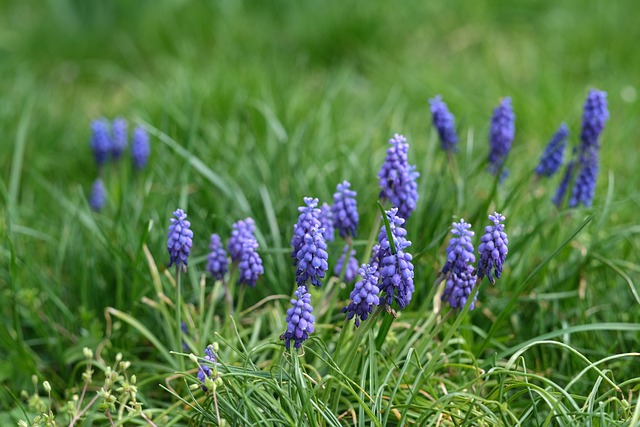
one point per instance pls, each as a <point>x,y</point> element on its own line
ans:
<point>458,287</point>
<point>250,264</point>
<point>396,269</point>
<point>352,265</point>
<point>326,222</point>
<point>140,149</point>
<point>243,230</point>
<point>503,130</point>
<point>299,319</point>
<point>119,141</point>
<point>345,210</point>
<point>309,218</point>
<point>180,240</point>
<point>493,249</point>
<point>312,258</point>
<point>444,123</point>
<point>553,155</point>
<point>364,297</point>
<point>217,262</point>
<point>98,196</point>
<point>460,249</point>
<point>205,370</point>
<point>593,120</point>
<point>100,141</point>
<point>398,178</point>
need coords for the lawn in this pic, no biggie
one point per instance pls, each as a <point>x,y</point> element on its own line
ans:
<point>251,107</point>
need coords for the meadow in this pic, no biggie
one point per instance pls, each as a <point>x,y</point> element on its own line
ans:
<point>252,106</point>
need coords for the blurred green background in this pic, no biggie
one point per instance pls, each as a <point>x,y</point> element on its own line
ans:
<point>281,100</point>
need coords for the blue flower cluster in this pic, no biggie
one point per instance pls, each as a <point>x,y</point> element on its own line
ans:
<point>309,218</point>
<point>312,258</point>
<point>98,196</point>
<point>398,178</point>
<point>351,268</point>
<point>300,321</point>
<point>250,264</point>
<point>396,268</point>
<point>444,123</point>
<point>326,222</point>
<point>501,135</point>
<point>205,371</point>
<point>364,297</point>
<point>345,210</point>
<point>459,274</point>
<point>180,240</point>
<point>217,262</point>
<point>553,155</point>
<point>242,231</point>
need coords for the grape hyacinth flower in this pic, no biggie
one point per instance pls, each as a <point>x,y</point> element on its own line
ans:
<point>119,140</point>
<point>309,218</point>
<point>326,222</point>
<point>180,240</point>
<point>299,319</point>
<point>217,262</point>
<point>593,120</point>
<point>398,178</point>
<point>352,265</point>
<point>345,210</point>
<point>460,250</point>
<point>553,155</point>
<point>243,230</point>
<point>205,372</point>
<point>100,141</point>
<point>458,271</point>
<point>98,196</point>
<point>503,130</point>
<point>250,264</point>
<point>312,258</point>
<point>396,269</point>
<point>364,297</point>
<point>558,198</point>
<point>140,149</point>
<point>585,185</point>
<point>444,123</point>
<point>493,249</point>
<point>458,287</point>
<point>185,331</point>
<point>594,117</point>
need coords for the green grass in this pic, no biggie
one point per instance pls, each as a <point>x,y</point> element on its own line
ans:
<point>252,106</point>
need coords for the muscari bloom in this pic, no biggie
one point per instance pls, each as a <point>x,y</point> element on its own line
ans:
<point>217,262</point>
<point>398,178</point>
<point>98,196</point>
<point>299,319</point>
<point>345,210</point>
<point>493,249</point>
<point>119,140</point>
<point>204,370</point>
<point>352,265</point>
<point>458,270</point>
<point>309,218</point>
<point>593,120</point>
<point>396,269</point>
<point>185,331</point>
<point>326,222</point>
<point>140,149</point>
<point>503,130</point>
<point>242,231</point>
<point>444,123</point>
<point>553,155</point>
<point>312,258</point>
<point>364,297</point>
<point>250,264</point>
<point>100,141</point>
<point>460,249</point>
<point>180,240</point>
